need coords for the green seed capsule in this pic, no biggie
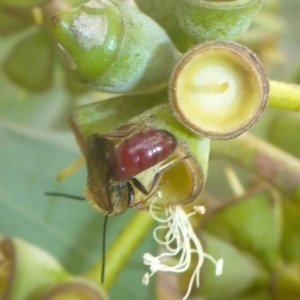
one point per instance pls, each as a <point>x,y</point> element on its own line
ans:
<point>219,89</point>
<point>26,270</point>
<point>113,47</point>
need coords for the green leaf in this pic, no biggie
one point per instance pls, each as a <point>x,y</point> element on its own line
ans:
<point>241,271</point>
<point>70,230</point>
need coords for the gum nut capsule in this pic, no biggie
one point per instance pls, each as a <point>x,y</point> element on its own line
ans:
<point>209,20</point>
<point>26,270</point>
<point>219,89</point>
<point>113,47</point>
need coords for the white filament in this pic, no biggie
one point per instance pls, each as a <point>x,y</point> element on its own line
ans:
<point>180,233</point>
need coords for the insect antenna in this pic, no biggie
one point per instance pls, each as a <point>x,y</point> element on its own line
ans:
<point>63,195</point>
<point>104,248</point>
<point>54,194</point>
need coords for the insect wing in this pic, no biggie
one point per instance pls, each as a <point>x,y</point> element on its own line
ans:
<point>97,151</point>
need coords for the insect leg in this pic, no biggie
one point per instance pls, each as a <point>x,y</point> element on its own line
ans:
<point>139,205</point>
<point>130,193</point>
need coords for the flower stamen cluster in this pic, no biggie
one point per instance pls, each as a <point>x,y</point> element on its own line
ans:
<point>181,242</point>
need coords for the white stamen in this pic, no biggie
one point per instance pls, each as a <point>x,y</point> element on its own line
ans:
<point>180,239</point>
<point>150,259</point>
<point>200,209</point>
<point>146,279</point>
<point>219,267</point>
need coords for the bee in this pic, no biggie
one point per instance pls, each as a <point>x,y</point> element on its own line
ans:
<point>114,159</point>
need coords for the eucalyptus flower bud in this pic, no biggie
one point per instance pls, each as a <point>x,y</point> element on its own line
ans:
<point>219,89</point>
<point>206,20</point>
<point>73,85</point>
<point>113,47</point>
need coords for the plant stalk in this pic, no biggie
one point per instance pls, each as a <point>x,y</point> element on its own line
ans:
<point>266,161</point>
<point>122,249</point>
<point>284,96</point>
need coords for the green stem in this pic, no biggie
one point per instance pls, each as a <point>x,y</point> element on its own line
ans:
<point>274,165</point>
<point>285,283</point>
<point>122,249</point>
<point>284,96</point>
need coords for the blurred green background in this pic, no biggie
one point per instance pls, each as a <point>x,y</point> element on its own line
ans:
<point>36,144</point>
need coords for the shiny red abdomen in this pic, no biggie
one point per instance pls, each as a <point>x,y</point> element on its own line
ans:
<point>140,152</point>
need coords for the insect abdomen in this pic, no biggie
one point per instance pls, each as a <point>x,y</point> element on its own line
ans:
<point>141,152</point>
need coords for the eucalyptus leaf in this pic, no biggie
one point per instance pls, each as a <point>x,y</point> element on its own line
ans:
<point>47,110</point>
<point>69,230</point>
